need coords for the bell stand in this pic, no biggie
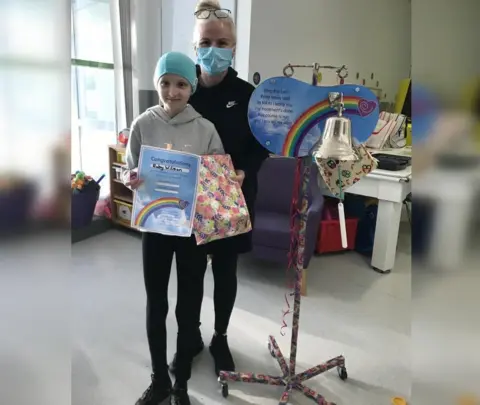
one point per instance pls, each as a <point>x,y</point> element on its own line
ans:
<point>289,379</point>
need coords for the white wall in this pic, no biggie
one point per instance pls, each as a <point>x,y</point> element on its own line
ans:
<point>244,27</point>
<point>369,36</point>
<point>446,47</point>
<point>148,43</point>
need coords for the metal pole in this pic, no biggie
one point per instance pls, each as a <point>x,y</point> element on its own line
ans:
<point>306,163</point>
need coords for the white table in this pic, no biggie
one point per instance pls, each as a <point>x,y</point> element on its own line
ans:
<point>454,204</point>
<point>390,188</point>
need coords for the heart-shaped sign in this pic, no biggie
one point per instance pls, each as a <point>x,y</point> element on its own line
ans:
<point>366,107</point>
<point>288,116</point>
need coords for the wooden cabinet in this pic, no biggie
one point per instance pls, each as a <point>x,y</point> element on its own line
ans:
<point>121,197</point>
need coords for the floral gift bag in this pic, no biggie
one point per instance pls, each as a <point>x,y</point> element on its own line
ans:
<point>338,176</point>
<point>221,210</point>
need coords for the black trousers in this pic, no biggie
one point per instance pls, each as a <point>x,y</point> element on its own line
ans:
<point>224,268</point>
<point>191,263</point>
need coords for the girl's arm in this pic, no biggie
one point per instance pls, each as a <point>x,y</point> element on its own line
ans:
<point>132,152</point>
<point>215,146</point>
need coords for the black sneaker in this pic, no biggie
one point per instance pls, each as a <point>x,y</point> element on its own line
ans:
<point>198,349</point>
<point>180,397</point>
<point>221,354</point>
<point>158,393</point>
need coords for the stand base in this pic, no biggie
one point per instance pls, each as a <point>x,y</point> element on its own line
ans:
<point>288,381</point>
<point>381,271</point>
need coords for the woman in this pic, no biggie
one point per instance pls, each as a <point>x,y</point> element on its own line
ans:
<point>222,98</point>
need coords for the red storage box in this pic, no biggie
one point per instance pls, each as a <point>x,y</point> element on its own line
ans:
<point>329,238</point>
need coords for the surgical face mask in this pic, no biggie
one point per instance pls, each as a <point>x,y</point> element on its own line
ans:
<point>214,60</point>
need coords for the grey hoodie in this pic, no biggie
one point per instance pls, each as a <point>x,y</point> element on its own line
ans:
<point>188,131</point>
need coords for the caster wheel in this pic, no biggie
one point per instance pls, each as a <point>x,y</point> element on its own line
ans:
<point>225,390</point>
<point>342,373</point>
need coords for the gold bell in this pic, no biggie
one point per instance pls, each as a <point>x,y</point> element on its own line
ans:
<point>336,142</point>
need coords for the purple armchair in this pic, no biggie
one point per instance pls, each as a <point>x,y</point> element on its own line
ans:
<point>271,235</point>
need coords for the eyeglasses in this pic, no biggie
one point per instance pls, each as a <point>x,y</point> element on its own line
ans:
<point>205,13</point>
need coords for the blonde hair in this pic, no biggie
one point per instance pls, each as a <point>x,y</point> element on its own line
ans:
<point>205,4</point>
<point>212,5</point>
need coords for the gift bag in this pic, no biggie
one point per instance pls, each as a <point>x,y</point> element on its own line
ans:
<point>338,176</point>
<point>221,210</point>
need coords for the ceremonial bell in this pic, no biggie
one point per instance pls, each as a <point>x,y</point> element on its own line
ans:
<point>336,142</point>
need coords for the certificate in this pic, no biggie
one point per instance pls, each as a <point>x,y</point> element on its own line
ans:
<point>165,201</point>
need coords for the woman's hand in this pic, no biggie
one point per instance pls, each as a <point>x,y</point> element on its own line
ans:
<point>239,177</point>
<point>134,181</point>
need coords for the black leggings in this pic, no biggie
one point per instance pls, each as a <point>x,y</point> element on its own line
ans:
<point>224,268</point>
<point>191,262</point>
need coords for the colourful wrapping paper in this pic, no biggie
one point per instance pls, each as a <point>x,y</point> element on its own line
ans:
<point>339,176</point>
<point>221,210</point>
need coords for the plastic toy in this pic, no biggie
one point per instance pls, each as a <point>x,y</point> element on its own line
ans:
<point>123,136</point>
<point>80,182</point>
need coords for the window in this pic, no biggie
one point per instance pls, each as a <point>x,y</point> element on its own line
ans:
<point>93,88</point>
<point>34,112</point>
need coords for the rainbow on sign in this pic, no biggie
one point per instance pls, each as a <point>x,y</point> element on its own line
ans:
<point>288,116</point>
<point>157,205</point>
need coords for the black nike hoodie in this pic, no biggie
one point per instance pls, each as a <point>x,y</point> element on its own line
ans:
<point>226,106</point>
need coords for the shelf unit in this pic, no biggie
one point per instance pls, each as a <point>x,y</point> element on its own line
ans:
<point>118,191</point>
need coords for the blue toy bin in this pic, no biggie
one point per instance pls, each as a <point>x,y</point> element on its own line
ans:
<point>15,206</point>
<point>83,206</point>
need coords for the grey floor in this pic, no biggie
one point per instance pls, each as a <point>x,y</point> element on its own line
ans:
<point>396,331</point>
<point>349,310</point>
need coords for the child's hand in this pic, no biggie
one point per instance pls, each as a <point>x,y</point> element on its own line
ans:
<point>134,181</point>
<point>239,177</point>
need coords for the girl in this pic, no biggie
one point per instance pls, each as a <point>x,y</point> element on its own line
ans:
<point>177,124</point>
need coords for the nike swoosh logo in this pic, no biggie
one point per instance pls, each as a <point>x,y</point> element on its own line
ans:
<point>230,104</point>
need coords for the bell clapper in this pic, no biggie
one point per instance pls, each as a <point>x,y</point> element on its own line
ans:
<point>343,227</point>
<point>341,211</point>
